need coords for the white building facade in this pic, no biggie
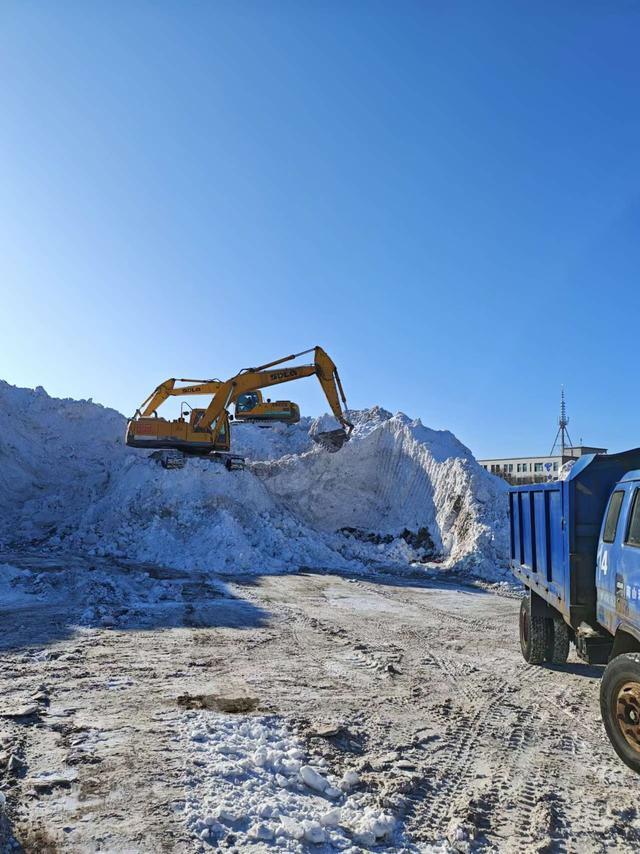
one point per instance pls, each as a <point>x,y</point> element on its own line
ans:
<point>520,470</point>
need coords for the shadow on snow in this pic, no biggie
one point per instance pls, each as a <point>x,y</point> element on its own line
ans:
<point>53,597</point>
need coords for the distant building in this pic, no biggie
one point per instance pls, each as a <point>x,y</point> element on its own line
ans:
<point>520,470</point>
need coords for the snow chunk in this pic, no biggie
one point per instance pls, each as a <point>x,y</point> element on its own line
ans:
<point>349,780</point>
<point>313,779</point>
<point>313,832</point>
<point>331,818</point>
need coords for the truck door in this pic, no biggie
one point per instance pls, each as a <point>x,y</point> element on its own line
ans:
<point>607,582</point>
<point>628,570</point>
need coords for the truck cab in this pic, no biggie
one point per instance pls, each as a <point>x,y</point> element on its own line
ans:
<point>575,545</point>
<point>618,559</point>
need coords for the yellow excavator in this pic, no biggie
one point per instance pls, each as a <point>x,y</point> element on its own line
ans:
<point>206,431</point>
<point>249,406</point>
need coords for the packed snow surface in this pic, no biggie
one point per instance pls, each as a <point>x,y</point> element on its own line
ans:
<point>398,493</point>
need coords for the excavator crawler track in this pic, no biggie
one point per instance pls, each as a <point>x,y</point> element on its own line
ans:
<point>177,459</point>
<point>232,462</point>
<point>169,459</point>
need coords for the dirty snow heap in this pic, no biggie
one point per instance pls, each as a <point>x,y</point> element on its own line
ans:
<point>397,494</point>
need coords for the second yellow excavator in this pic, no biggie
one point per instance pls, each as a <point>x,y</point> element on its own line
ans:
<point>207,431</point>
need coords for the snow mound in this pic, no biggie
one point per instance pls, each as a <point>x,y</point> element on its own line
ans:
<point>396,476</point>
<point>56,457</point>
<point>271,443</point>
<point>398,493</point>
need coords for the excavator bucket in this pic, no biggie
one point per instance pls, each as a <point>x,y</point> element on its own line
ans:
<point>331,440</point>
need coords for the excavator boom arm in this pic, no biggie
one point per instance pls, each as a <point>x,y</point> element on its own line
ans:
<point>252,379</point>
<point>168,389</point>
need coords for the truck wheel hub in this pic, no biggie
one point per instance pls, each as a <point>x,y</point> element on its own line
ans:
<point>628,713</point>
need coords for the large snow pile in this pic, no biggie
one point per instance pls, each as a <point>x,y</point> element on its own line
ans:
<point>397,493</point>
<point>56,457</point>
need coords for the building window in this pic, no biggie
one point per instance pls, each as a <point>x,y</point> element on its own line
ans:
<point>510,467</point>
<point>538,467</point>
<point>555,466</point>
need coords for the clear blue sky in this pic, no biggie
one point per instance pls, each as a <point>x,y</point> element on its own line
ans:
<point>445,195</point>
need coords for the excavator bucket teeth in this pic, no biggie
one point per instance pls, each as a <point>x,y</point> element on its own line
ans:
<point>331,440</point>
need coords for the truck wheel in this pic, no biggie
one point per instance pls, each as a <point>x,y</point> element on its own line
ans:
<point>557,650</point>
<point>620,707</point>
<point>533,634</point>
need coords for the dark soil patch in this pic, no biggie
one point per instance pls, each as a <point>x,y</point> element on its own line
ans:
<point>216,703</point>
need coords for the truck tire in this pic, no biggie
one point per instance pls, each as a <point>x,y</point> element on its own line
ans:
<point>620,707</point>
<point>533,634</point>
<point>558,640</point>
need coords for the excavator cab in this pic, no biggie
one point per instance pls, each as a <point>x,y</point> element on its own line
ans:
<point>251,407</point>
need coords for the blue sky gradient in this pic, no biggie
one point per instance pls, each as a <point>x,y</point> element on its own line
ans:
<point>445,195</point>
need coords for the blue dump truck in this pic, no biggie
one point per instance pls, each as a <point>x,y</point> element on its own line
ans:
<point>575,545</point>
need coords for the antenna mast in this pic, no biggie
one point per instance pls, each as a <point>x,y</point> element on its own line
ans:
<point>563,433</point>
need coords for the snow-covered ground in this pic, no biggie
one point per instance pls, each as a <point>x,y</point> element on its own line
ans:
<point>197,714</point>
<point>251,776</point>
<point>396,494</point>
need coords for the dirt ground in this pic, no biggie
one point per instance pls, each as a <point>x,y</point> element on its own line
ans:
<point>419,682</point>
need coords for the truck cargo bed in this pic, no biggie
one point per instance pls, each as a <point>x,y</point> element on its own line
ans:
<point>555,528</point>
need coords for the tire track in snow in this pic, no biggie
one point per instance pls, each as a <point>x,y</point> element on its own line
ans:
<point>456,769</point>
